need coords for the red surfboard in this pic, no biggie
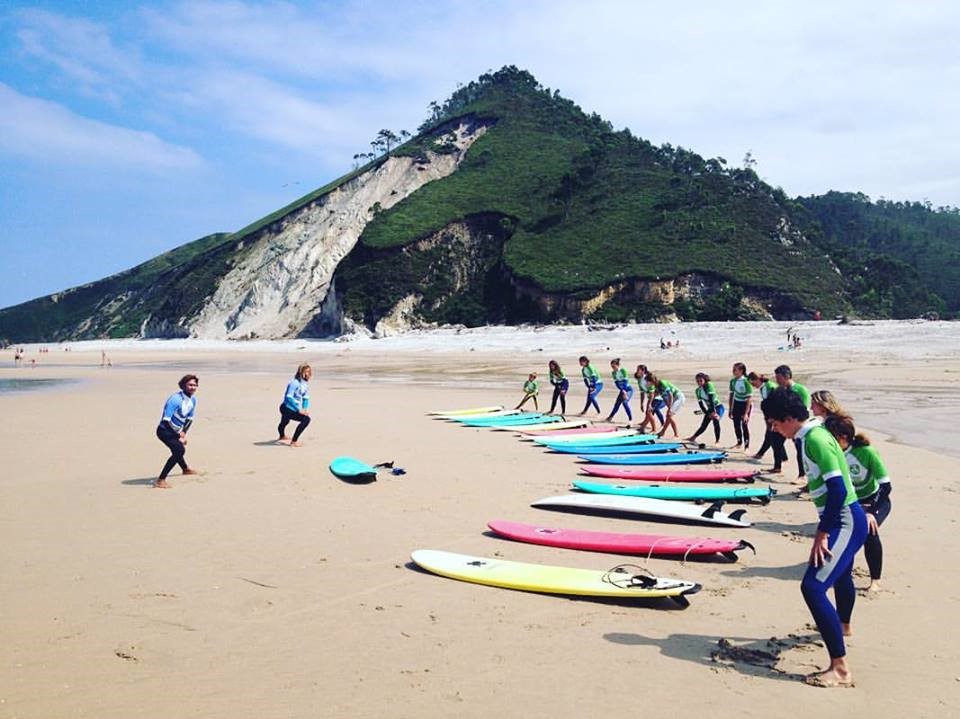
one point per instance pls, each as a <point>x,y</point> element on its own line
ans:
<point>668,474</point>
<point>617,543</point>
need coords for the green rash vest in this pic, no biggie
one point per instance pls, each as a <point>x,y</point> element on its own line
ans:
<point>670,387</point>
<point>531,386</point>
<point>867,471</point>
<point>803,392</point>
<point>823,459</point>
<point>740,388</point>
<point>707,396</point>
<point>766,388</point>
<point>620,375</point>
<point>590,374</point>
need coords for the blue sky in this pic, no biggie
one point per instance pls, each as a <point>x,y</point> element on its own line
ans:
<point>127,129</point>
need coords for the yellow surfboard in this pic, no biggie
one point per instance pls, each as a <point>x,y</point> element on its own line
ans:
<point>461,412</point>
<point>622,581</point>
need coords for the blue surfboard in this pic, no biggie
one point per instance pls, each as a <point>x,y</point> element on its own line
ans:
<point>684,458</point>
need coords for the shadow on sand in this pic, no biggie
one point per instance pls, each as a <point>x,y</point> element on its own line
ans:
<point>749,656</point>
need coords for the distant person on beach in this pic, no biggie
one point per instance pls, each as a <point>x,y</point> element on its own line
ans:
<point>178,412</point>
<point>784,377</point>
<point>17,357</point>
<point>870,479</point>
<point>840,532</point>
<point>673,401</point>
<point>530,389</point>
<point>560,386</point>
<point>295,406</point>
<point>771,440</point>
<point>625,391</point>
<point>591,378</point>
<point>740,400</point>
<point>710,406</point>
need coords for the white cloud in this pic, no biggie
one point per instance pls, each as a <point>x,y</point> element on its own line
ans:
<point>41,129</point>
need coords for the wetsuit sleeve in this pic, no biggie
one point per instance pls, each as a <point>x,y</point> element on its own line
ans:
<point>306,398</point>
<point>836,498</point>
<point>290,397</point>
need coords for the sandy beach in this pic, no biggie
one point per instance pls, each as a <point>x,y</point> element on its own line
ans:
<point>265,587</point>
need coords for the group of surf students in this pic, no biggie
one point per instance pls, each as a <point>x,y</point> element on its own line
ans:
<point>844,475</point>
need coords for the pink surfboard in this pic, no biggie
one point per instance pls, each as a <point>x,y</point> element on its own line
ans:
<point>617,543</point>
<point>668,474</point>
<point>571,432</point>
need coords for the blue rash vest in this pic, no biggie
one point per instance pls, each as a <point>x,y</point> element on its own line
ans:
<point>178,411</point>
<point>297,396</point>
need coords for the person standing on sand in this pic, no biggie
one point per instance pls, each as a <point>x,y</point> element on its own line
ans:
<point>840,532</point>
<point>530,389</point>
<point>784,377</point>
<point>710,407</point>
<point>296,406</point>
<point>177,417</point>
<point>625,391</point>
<point>673,401</point>
<point>650,404</point>
<point>823,404</point>
<point>740,399</point>
<point>560,386</point>
<point>591,378</point>
<point>870,479</point>
<point>771,439</point>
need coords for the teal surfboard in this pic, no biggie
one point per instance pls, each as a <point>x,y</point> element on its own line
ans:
<point>352,470</point>
<point>660,491</point>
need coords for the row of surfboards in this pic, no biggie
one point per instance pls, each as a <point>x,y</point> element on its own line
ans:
<point>611,451</point>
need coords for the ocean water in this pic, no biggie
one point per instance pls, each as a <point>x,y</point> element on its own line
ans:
<point>8,385</point>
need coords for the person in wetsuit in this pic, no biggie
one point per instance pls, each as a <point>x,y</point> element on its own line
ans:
<point>625,391</point>
<point>296,406</point>
<point>560,386</point>
<point>591,378</point>
<point>709,405</point>
<point>178,412</point>
<point>840,532</point>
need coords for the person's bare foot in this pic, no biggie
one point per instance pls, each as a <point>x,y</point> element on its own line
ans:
<point>774,470</point>
<point>830,679</point>
<point>189,470</point>
<point>874,586</point>
<point>736,446</point>
<point>283,440</point>
<point>160,484</point>
<point>295,444</point>
<point>847,631</point>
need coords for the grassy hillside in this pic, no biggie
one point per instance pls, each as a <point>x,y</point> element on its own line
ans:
<point>117,304</point>
<point>592,206</point>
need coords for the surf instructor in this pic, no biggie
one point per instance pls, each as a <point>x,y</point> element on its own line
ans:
<point>295,406</point>
<point>177,417</point>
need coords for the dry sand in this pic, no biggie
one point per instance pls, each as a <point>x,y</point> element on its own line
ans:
<point>267,588</point>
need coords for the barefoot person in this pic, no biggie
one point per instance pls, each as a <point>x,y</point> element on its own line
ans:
<point>740,399</point>
<point>650,404</point>
<point>530,389</point>
<point>709,405</point>
<point>625,391</point>
<point>177,417</point>
<point>296,406</point>
<point>591,378</point>
<point>673,401</point>
<point>840,532</point>
<point>823,404</point>
<point>870,479</point>
<point>560,386</point>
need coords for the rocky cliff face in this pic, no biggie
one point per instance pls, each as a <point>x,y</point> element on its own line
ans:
<point>280,284</point>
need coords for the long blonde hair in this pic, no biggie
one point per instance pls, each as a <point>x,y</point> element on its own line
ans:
<point>825,399</point>
<point>300,370</point>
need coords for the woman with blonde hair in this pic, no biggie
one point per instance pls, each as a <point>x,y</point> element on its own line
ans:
<point>823,404</point>
<point>296,405</point>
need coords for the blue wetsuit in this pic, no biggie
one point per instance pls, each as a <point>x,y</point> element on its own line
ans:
<point>594,386</point>
<point>624,395</point>
<point>842,518</point>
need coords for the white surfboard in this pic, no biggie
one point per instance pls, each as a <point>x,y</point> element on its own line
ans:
<point>569,424</point>
<point>586,437</point>
<point>687,511</point>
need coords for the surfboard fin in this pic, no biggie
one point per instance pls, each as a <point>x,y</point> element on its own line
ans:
<point>713,509</point>
<point>737,514</point>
